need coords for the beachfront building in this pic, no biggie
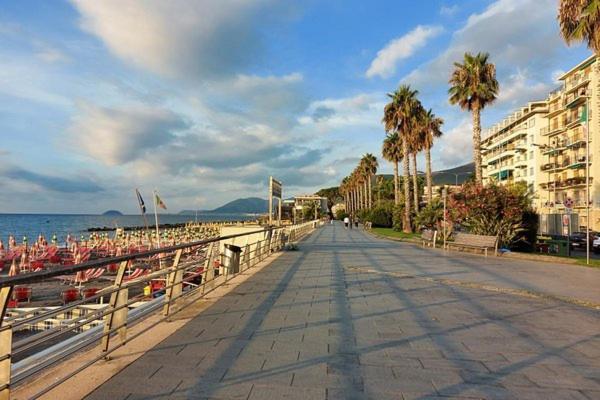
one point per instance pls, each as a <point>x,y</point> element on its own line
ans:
<point>565,155</point>
<point>510,151</point>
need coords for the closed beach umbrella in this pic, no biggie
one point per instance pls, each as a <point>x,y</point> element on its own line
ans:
<point>14,269</point>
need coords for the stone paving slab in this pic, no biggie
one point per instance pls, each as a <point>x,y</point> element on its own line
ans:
<point>348,316</point>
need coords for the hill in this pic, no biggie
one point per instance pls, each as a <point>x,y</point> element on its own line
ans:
<point>250,205</point>
<point>448,176</point>
<point>112,213</point>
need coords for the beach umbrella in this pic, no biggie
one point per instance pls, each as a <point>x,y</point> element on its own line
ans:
<point>14,269</point>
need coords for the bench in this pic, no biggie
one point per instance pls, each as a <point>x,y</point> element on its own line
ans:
<point>471,241</point>
<point>428,237</point>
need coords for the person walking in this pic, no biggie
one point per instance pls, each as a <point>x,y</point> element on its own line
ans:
<point>346,222</point>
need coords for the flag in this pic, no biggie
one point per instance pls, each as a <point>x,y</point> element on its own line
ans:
<point>141,201</point>
<point>159,202</point>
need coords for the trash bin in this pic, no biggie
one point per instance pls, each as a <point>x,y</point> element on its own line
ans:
<point>558,247</point>
<point>232,258</point>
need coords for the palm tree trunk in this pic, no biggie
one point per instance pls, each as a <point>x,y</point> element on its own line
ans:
<point>415,182</point>
<point>406,227</point>
<point>428,175</point>
<point>370,191</point>
<point>396,184</point>
<point>477,143</point>
<point>366,195</point>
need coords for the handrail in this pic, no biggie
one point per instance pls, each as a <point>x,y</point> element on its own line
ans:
<point>34,277</point>
<point>179,270</point>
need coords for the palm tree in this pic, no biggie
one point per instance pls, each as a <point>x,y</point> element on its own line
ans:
<point>416,145</point>
<point>473,86</point>
<point>399,116</point>
<point>370,165</point>
<point>580,22</point>
<point>392,152</point>
<point>431,129</point>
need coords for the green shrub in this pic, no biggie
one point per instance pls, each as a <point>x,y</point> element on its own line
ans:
<point>340,215</point>
<point>503,211</point>
<point>430,215</point>
<point>397,217</point>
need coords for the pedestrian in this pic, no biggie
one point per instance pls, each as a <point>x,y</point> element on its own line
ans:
<point>346,222</point>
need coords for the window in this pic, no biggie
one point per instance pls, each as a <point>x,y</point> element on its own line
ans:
<point>531,171</point>
<point>531,155</point>
<point>532,122</point>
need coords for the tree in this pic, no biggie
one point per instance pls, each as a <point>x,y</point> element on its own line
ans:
<point>370,164</point>
<point>416,145</point>
<point>580,22</point>
<point>392,152</point>
<point>399,116</point>
<point>332,194</point>
<point>473,86</point>
<point>431,129</point>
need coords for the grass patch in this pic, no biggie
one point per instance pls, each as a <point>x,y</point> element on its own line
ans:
<point>389,232</point>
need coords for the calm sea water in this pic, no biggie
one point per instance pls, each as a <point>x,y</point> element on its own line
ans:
<point>31,225</point>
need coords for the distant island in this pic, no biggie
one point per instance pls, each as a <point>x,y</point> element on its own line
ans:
<point>112,213</point>
<point>250,205</point>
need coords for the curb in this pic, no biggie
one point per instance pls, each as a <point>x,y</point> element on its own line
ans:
<point>512,255</point>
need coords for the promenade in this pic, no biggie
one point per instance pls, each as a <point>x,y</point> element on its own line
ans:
<point>350,316</point>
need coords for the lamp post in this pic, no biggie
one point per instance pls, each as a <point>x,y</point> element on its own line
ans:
<point>587,178</point>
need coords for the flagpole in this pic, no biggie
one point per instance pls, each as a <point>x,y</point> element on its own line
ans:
<point>143,211</point>
<point>157,230</point>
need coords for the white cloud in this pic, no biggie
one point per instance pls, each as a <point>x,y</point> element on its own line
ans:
<point>519,89</point>
<point>178,38</point>
<point>455,147</point>
<point>118,136</point>
<point>384,65</point>
<point>449,11</point>
<point>504,29</point>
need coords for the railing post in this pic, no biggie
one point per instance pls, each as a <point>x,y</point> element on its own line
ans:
<point>118,302</point>
<point>247,256</point>
<point>258,252</point>
<point>208,274</point>
<point>174,283</point>
<point>5,345</point>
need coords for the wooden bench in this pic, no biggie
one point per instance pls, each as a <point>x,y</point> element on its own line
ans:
<point>428,237</point>
<point>471,241</point>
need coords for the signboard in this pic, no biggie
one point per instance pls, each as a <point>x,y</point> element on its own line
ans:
<point>569,202</point>
<point>274,192</point>
<point>566,219</point>
<point>275,188</point>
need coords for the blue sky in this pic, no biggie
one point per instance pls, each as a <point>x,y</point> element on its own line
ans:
<point>205,99</point>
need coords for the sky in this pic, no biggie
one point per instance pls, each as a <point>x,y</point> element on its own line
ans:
<point>204,100</point>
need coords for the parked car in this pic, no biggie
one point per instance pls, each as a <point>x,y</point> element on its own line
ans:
<point>577,240</point>
<point>596,245</point>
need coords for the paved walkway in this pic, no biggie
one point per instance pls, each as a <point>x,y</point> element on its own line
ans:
<point>349,316</point>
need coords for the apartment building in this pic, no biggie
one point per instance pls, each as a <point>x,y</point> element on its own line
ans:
<point>510,149</point>
<point>571,108</point>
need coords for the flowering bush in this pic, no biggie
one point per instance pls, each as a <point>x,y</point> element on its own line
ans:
<point>493,210</point>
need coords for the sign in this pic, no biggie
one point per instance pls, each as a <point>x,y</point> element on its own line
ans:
<point>275,188</point>
<point>566,219</point>
<point>274,193</point>
<point>569,202</point>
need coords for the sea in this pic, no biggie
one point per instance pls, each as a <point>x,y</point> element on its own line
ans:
<point>31,225</point>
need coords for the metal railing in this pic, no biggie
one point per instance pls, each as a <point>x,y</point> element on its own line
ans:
<point>176,272</point>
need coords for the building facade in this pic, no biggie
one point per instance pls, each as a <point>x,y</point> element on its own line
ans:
<point>510,149</point>
<point>571,109</point>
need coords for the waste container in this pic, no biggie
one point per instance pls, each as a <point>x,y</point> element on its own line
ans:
<point>558,247</point>
<point>232,258</point>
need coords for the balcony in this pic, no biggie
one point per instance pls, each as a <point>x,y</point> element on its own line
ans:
<point>549,166</point>
<point>555,128</point>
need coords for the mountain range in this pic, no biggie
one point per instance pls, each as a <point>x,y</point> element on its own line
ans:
<point>249,205</point>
